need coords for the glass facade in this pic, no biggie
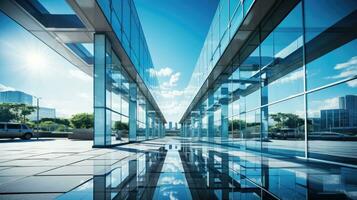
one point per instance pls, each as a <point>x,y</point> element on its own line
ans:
<point>123,17</point>
<point>290,90</point>
<point>121,108</point>
<point>226,21</point>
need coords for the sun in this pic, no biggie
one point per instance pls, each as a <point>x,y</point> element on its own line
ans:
<point>34,60</point>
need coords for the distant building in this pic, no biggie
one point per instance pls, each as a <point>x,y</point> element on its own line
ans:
<point>344,117</point>
<point>176,126</point>
<point>17,97</point>
<point>43,113</point>
<point>170,125</point>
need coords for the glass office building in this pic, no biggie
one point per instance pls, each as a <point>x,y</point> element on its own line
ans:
<point>117,97</point>
<point>105,40</point>
<point>278,78</point>
<point>16,97</point>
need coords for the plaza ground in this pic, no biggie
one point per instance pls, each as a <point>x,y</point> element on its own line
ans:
<point>162,169</point>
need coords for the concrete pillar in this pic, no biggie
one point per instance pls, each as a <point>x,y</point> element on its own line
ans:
<point>132,111</point>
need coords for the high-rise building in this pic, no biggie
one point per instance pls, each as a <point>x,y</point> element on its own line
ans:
<point>16,97</point>
<point>19,97</point>
<point>343,118</point>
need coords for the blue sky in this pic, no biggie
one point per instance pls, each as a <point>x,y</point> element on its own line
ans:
<point>28,65</point>
<point>175,31</point>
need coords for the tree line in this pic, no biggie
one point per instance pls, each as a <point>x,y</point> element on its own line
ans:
<point>19,113</point>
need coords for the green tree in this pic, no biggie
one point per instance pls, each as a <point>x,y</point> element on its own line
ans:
<point>6,115</point>
<point>118,125</point>
<point>286,120</point>
<point>48,125</point>
<point>15,112</point>
<point>236,124</point>
<point>60,121</point>
<point>82,120</point>
<point>24,111</point>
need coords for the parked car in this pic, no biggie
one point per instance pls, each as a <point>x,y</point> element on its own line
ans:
<point>285,133</point>
<point>15,130</point>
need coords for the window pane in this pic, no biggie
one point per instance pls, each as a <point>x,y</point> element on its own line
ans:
<point>251,131</point>
<point>332,123</point>
<point>286,127</point>
<point>13,126</point>
<point>331,41</point>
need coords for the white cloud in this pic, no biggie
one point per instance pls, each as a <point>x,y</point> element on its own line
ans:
<point>332,103</point>
<point>76,73</point>
<point>5,88</point>
<point>84,96</point>
<point>170,99</point>
<point>351,62</point>
<point>352,83</point>
<point>163,72</point>
<point>171,93</point>
<point>347,69</point>
<point>291,77</point>
<point>174,78</point>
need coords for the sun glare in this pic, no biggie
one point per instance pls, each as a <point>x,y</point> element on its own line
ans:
<point>35,60</point>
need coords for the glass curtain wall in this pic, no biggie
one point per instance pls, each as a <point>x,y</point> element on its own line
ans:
<point>292,87</point>
<point>122,112</point>
<point>111,95</point>
<point>113,106</point>
<point>331,83</point>
<point>126,25</point>
<point>226,21</point>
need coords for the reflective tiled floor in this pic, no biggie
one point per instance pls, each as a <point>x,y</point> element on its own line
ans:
<point>167,168</point>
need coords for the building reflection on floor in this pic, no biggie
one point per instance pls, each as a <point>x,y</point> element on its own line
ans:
<point>187,170</point>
